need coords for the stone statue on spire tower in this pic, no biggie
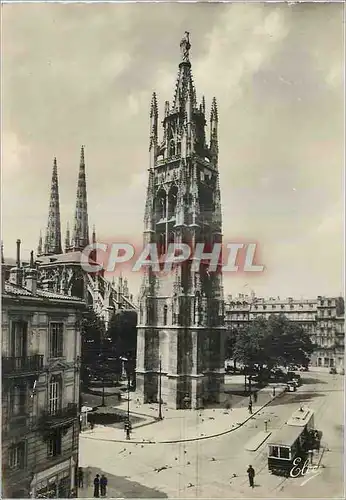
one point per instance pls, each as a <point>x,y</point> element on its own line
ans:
<point>185,47</point>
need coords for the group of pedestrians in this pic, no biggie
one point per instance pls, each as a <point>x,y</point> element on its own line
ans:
<point>100,483</point>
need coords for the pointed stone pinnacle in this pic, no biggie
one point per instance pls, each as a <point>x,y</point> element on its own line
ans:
<point>153,106</point>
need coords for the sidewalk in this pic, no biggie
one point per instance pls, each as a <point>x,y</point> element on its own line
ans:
<point>183,425</point>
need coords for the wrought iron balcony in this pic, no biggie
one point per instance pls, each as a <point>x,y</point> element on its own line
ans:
<point>23,365</point>
<point>59,417</point>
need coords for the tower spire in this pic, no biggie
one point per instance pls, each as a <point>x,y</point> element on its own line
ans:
<point>153,129</point>
<point>80,238</point>
<point>53,233</point>
<point>184,89</point>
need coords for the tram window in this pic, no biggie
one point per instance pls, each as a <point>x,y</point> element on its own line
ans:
<point>284,453</point>
<point>274,451</point>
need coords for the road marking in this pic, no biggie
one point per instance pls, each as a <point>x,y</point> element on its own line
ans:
<point>309,478</point>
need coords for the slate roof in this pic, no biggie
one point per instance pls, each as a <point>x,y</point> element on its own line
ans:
<point>11,289</point>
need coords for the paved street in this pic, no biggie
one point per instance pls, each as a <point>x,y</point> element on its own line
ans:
<point>180,425</point>
<point>217,467</point>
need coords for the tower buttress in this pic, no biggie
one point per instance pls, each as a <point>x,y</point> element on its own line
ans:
<point>80,238</point>
<point>53,233</point>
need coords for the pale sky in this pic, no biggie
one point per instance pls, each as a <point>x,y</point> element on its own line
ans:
<point>84,74</point>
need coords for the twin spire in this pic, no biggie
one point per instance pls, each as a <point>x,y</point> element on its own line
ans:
<point>80,237</point>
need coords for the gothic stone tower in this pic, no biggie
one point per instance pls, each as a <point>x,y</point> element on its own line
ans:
<point>180,340</point>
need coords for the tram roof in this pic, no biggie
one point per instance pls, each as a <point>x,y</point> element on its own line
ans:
<point>286,436</point>
<point>301,417</point>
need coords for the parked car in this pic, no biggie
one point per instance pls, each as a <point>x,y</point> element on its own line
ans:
<point>294,376</point>
<point>278,375</point>
<point>333,371</point>
<point>291,386</point>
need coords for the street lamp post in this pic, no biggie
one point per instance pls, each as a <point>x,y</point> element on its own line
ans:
<point>250,375</point>
<point>160,392</point>
<point>103,391</point>
<point>128,398</point>
<point>103,375</point>
<point>128,423</point>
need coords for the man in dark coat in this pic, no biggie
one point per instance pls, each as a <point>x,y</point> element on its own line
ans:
<point>251,476</point>
<point>80,478</point>
<point>103,485</point>
<point>97,486</point>
<point>250,407</point>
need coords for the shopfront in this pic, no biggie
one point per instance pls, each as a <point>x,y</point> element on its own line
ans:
<point>55,482</point>
<point>58,486</point>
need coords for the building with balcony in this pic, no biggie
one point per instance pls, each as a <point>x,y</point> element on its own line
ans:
<point>40,387</point>
<point>322,317</point>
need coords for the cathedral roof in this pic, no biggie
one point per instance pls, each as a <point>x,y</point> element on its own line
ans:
<point>69,257</point>
<point>13,290</point>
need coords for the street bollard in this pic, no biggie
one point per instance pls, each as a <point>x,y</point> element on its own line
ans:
<point>266,426</point>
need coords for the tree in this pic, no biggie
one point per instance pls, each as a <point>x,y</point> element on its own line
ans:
<point>273,342</point>
<point>122,330</point>
<point>92,334</point>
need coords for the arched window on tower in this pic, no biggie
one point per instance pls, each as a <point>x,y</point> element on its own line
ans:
<point>160,205</point>
<point>178,148</point>
<point>165,313</point>
<point>172,148</point>
<point>161,244</point>
<point>172,201</point>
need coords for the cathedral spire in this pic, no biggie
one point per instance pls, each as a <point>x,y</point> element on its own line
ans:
<point>80,238</point>
<point>40,245</point>
<point>53,232</point>
<point>67,238</point>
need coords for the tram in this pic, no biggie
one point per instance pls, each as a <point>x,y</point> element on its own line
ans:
<point>294,440</point>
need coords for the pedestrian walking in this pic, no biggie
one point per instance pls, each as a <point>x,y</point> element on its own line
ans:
<point>250,407</point>
<point>103,485</point>
<point>255,397</point>
<point>97,486</point>
<point>80,478</point>
<point>251,476</point>
<point>273,392</point>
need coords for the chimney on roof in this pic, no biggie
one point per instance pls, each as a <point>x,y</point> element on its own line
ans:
<point>16,273</point>
<point>31,276</point>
